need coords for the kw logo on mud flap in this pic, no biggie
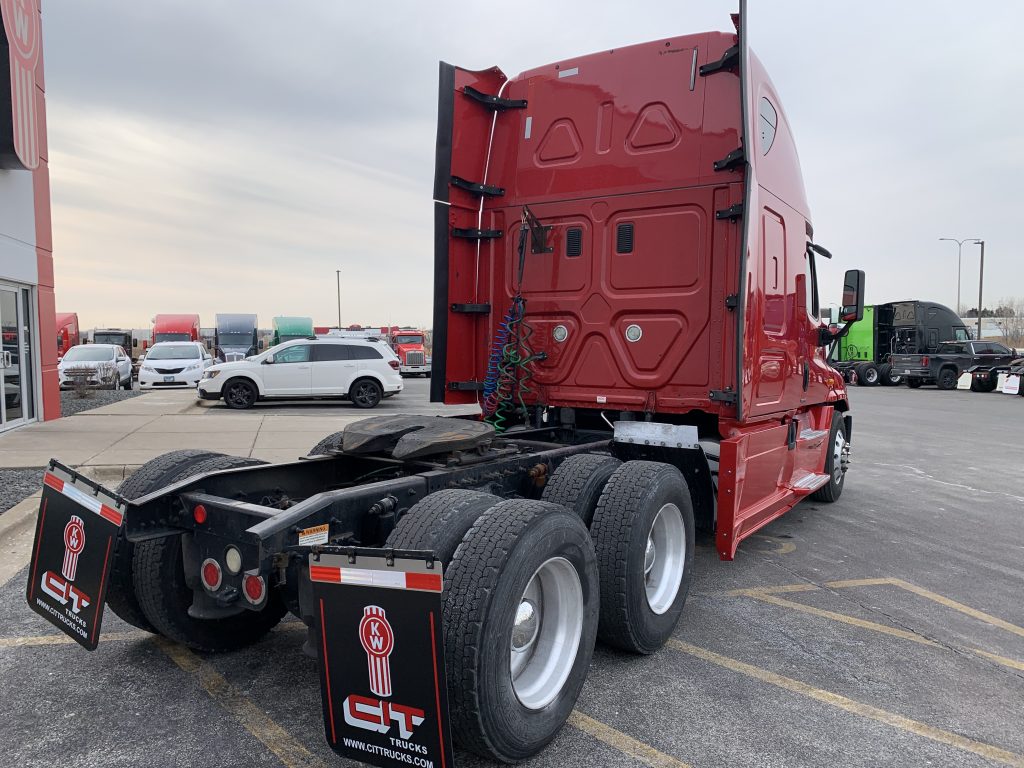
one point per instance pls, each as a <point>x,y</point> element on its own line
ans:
<point>60,587</point>
<point>378,640</point>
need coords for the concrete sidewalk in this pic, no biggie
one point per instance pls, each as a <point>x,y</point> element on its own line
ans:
<point>109,442</point>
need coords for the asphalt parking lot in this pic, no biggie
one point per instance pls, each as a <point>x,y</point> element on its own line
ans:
<point>886,629</point>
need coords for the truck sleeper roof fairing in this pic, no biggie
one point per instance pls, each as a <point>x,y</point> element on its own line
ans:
<point>677,276</point>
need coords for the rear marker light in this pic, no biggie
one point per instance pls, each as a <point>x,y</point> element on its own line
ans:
<point>199,514</point>
<point>255,589</point>
<point>394,364</point>
<point>211,573</point>
<point>233,560</point>
<point>924,361</point>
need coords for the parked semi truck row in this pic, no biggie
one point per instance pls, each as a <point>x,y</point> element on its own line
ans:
<point>625,282</point>
<point>901,327</point>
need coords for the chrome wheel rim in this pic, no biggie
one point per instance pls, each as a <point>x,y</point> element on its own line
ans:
<point>871,375</point>
<point>546,631</point>
<point>840,457</point>
<point>664,558</point>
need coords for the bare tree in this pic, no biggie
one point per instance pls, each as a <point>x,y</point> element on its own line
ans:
<point>1011,321</point>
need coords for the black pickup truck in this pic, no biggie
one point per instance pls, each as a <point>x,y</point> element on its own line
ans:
<point>952,358</point>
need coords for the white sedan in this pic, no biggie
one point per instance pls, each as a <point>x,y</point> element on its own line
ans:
<point>174,364</point>
<point>364,372</point>
<point>95,365</point>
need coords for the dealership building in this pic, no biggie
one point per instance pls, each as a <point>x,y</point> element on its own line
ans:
<point>28,364</point>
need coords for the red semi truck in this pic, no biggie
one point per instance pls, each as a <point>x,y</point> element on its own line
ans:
<point>68,334</point>
<point>625,283</point>
<point>412,353</point>
<point>176,328</point>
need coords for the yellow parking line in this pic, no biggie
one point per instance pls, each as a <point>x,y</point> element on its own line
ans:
<point>275,738</point>
<point>965,609</point>
<point>23,642</point>
<point>844,618</point>
<point>857,583</point>
<point>1012,663</point>
<point>627,745</point>
<point>772,590</point>
<point>768,595</point>
<point>987,751</point>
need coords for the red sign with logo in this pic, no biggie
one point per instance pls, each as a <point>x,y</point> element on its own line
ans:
<point>19,131</point>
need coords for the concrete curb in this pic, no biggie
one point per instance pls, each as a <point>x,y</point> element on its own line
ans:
<point>109,475</point>
<point>17,526</point>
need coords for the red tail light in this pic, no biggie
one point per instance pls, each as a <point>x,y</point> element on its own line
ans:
<point>211,574</point>
<point>924,361</point>
<point>394,364</point>
<point>255,589</point>
<point>199,514</point>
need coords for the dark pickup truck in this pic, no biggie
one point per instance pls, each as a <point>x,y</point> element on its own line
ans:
<point>952,358</point>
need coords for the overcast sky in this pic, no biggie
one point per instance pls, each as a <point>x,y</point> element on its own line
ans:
<point>230,156</point>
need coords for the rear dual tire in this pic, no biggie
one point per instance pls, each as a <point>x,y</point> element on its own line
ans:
<point>148,588</point>
<point>520,609</point>
<point>521,612</point>
<point>643,533</point>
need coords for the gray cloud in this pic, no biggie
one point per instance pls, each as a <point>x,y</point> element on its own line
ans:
<point>230,156</point>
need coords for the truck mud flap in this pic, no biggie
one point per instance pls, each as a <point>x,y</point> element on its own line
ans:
<point>385,607</point>
<point>77,531</point>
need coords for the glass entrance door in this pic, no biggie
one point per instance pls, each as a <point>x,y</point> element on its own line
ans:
<point>16,406</point>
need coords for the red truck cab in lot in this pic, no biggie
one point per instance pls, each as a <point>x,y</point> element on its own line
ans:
<point>625,284</point>
<point>175,328</point>
<point>670,274</point>
<point>68,334</point>
<point>411,351</point>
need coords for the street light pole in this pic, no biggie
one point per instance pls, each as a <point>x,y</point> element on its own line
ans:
<point>959,261</point>
<point>981,282</point>
<point>338,272</point>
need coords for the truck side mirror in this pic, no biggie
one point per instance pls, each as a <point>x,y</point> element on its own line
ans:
<point>853,297</point>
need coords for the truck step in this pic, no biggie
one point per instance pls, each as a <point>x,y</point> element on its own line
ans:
<point>808,481</point>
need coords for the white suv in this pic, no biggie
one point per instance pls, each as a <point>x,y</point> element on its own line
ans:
<point>364,372</point>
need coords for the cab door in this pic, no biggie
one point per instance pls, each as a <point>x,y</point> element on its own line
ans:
<point>333,370</point>
<point>289,375</point>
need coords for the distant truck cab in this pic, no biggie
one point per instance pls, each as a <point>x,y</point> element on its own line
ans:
<point>121,337</point>
<point>410,347</point>
<point>236,337</point>
<point>895,328</point>
<point>289,328</point>
<point>68,334</point>
<point>176,328</point>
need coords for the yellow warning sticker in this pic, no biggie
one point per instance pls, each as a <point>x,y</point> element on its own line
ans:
<point>316,535</point>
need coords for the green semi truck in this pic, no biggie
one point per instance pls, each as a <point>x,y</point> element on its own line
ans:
<point>288,328</point>
<point>899,327</point>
